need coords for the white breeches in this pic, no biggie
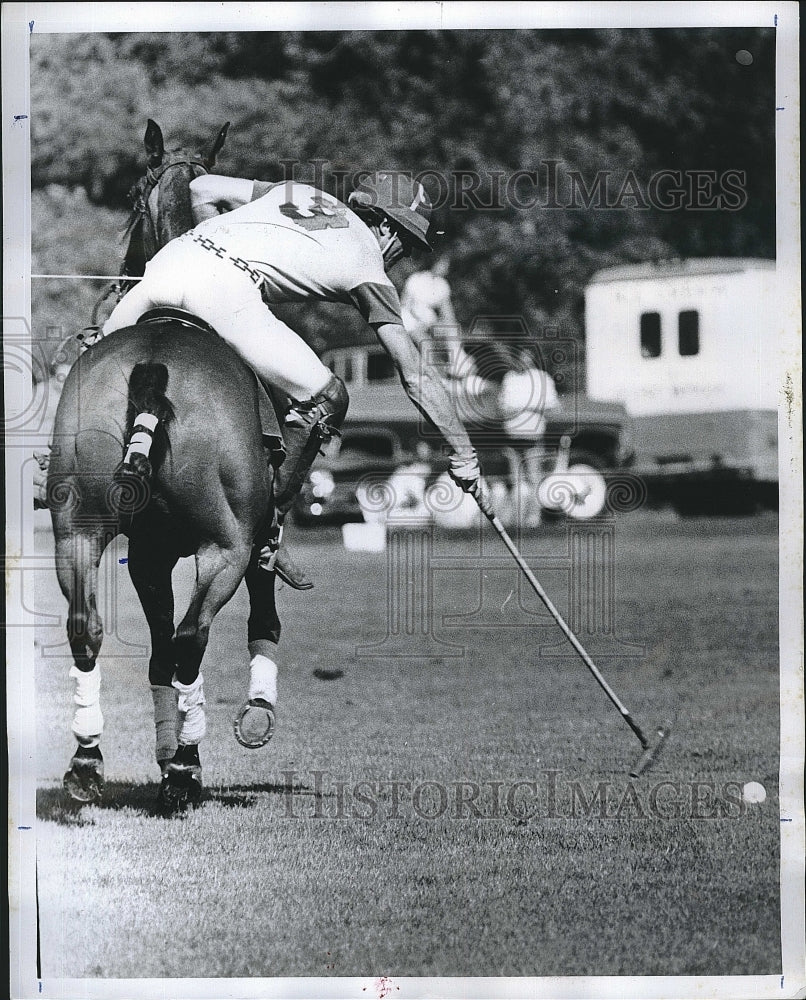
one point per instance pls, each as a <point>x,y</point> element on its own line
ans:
<point>186,276</point>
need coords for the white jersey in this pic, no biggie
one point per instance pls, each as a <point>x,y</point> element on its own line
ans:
<point>425,296</point>
<point>523,399</point>
<point>307,245</point>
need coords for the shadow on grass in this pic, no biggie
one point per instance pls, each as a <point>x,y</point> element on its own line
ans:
<point>328,675</point>
<point>54,805</point>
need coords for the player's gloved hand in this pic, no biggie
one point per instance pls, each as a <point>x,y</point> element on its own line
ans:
<point>466,473</point>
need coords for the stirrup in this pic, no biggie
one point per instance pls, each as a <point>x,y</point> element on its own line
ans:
<point>322,413</point>
<point>282,563</point>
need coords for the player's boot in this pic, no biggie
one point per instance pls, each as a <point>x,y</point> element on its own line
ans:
<point>307,426</point>
<point>286,567</point>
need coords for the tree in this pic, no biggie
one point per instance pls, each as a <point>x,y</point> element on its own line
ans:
<point>568,106</point>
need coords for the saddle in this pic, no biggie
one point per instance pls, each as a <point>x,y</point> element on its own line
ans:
<point>269,423</point>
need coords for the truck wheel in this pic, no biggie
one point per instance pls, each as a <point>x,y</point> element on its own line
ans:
<point>578,493</point>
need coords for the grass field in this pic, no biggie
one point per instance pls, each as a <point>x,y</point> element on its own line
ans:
<point>439,816</point>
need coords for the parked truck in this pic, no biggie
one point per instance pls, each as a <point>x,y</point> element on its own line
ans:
<point>688,347</point>
<point>383,432</point>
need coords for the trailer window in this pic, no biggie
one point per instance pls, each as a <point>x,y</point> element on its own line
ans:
<point>688,332</point>
<point>650,335</point>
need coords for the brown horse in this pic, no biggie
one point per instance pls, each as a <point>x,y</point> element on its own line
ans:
<point>158,435</point>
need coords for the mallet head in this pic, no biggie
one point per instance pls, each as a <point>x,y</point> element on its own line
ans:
<point>651,751</point>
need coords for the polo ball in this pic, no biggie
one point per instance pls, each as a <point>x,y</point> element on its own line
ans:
<point>754,793</point>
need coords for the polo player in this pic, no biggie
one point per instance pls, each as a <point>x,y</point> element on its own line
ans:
<point>258,244</point>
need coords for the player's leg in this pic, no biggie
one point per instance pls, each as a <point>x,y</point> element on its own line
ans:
<point>163,284</point>
<point>318,399</point>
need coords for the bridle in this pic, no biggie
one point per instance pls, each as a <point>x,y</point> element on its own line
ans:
<point>140,195</point>
<point>145,187</point>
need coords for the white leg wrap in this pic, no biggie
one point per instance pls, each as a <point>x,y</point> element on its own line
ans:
<point>263,679</point>
<point>165,719</point>
<point>88,722</point>
<point>191,722</point>
<point>140,442</point>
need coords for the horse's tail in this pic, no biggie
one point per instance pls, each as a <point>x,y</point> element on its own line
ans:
<point>149,411</point>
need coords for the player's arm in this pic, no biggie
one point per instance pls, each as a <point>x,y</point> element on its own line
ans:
<point>426,390</point>
<point>212,194</point>
<point>379,304</point>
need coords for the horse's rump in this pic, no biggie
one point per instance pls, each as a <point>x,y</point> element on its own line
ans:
<point>207,455</point>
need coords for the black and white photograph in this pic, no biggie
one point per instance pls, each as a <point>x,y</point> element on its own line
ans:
<point>403,488</point>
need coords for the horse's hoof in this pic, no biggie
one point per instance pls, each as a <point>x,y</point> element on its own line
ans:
<point>181,788</point>
<point>254,724</point>
<point>84,781</point>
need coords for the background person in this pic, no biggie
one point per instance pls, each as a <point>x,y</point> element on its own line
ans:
<point>427,312</point>
<point>525,395</point>
<point>505,394</point>
<point>426,299</point>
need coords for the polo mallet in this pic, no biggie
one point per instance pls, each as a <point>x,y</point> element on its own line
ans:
<point>651,748</point>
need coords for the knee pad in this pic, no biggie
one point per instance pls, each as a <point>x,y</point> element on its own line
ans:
<point>307,426</point>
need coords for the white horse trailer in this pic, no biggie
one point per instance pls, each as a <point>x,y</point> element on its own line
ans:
<point>689,348</point>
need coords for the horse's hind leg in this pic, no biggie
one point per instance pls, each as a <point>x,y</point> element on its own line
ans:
<point>152,558</point>
<point>254,723</point>
<point>77,557</point>
<point>219,570</point>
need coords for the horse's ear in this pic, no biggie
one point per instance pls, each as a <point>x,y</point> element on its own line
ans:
<point>155,147</point>
<point>209,160</point>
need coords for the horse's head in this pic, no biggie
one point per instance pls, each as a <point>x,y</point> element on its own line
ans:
<point>161,199</point>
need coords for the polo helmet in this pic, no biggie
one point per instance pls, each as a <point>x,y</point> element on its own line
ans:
<point>401,199</point>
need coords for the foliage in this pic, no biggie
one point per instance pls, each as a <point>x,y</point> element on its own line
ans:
<point>603,100</point>
<point>69,235</point>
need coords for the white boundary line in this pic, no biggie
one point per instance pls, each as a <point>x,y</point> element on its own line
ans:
<point>90,277</point>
